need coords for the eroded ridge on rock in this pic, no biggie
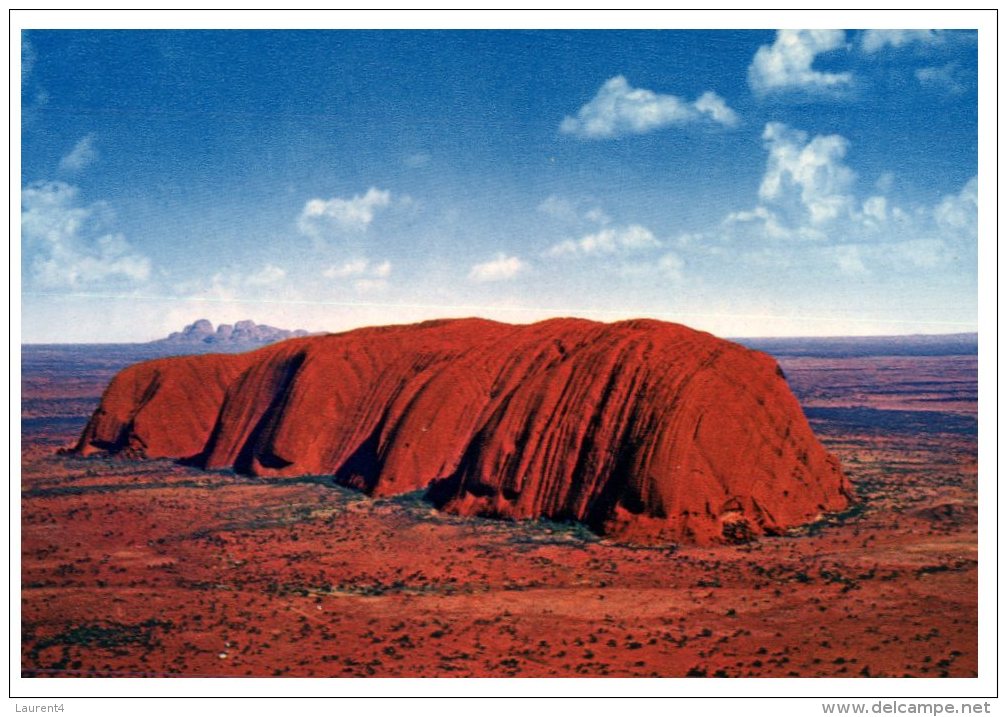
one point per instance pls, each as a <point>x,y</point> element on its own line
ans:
<point>644,430</point>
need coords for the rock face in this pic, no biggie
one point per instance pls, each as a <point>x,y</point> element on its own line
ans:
<point>244,333</point>
<point>644,430</point>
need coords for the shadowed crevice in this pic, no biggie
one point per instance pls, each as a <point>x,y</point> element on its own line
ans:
<point>256,447</point>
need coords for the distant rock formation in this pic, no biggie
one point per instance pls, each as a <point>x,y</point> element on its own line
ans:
<point>246,333</point>
<point>644,430</point>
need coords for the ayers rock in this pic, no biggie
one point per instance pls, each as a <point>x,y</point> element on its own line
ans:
<point>643,430</point>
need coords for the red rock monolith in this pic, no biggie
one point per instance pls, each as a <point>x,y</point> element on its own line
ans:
<point>644,430</point>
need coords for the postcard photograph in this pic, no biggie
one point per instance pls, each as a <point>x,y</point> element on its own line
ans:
<point>499,353</point>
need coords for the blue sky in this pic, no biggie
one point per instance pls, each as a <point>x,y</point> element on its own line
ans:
<point>749,183</point>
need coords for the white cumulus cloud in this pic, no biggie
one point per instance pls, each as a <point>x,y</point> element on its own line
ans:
<point>787,63</point>
<point>83,155</point>
<point>355,214</point>
<point>809,214</point>
<point>875,40</point>
<point>760,216</point>
<point>876,208</point>
<point>813,167</point>
<point>958,214</point>
<point>712,104</point>
<point>608,240</point>
<point>620,109</point>
<point>500,268</point>
<point>359,267</point>
<point>947,77</point>
<point>366,274</point>
<point>353,267</point>
<point>68,243</point>
<point>807,190</point>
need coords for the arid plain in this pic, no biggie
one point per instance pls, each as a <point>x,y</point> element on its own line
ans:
<point>153,568</point>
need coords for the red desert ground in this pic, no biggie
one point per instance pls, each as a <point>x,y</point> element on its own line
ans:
<point>472,498</point>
